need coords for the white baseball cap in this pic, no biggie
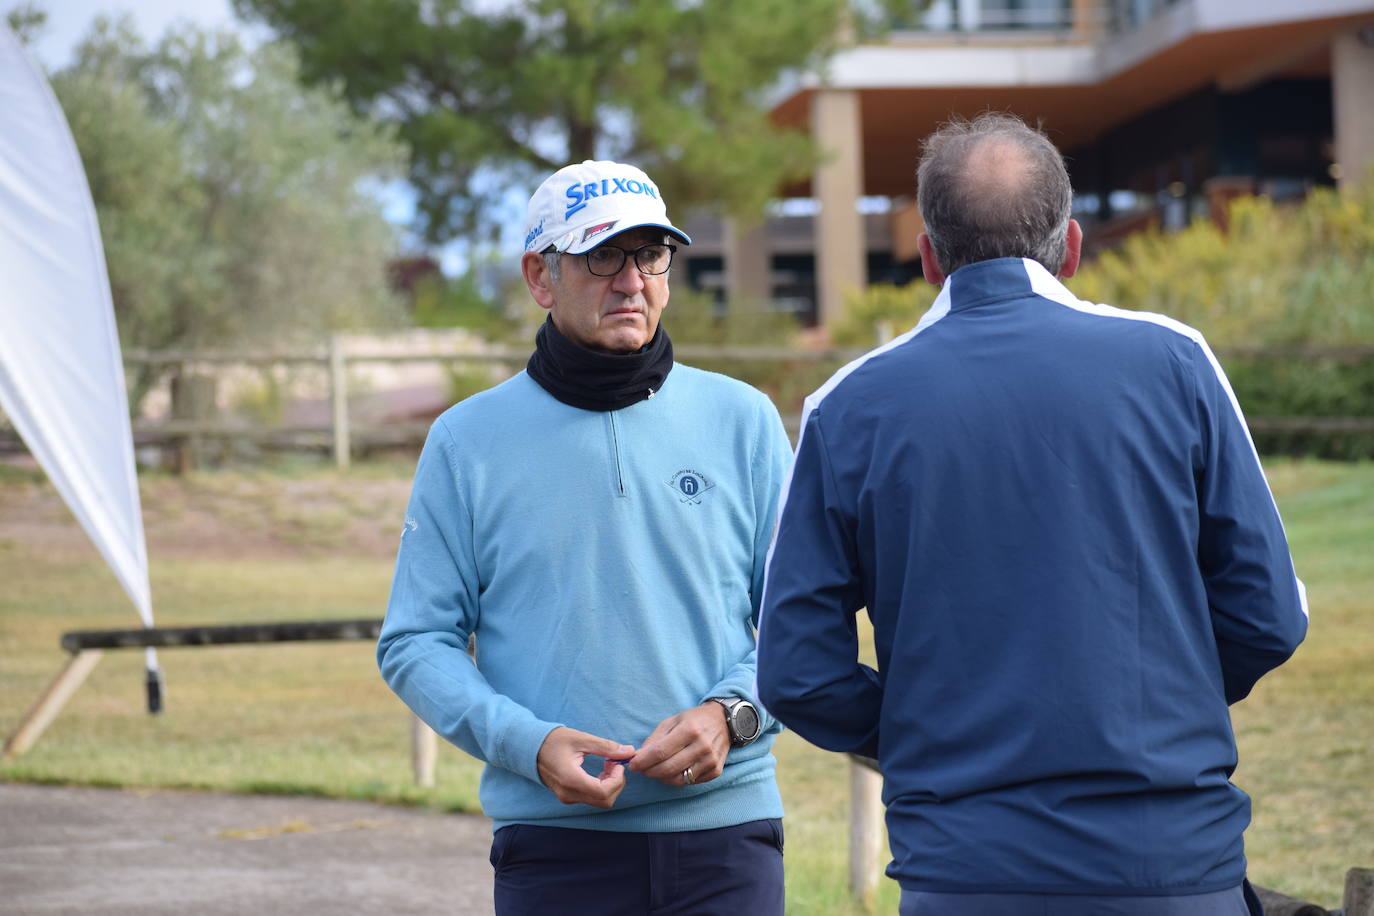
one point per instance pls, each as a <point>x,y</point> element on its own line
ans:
<point>580,206</point>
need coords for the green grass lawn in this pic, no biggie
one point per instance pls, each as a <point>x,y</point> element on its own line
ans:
<point>1306,734</point>
<point>315,718</point>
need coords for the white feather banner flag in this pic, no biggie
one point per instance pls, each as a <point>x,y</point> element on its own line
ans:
<point>61,375</point>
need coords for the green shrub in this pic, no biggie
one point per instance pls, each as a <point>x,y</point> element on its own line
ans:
<point>443,302</point>
<point>1280,277</point>
<point>1297,275</point>
<point>881,312</point>
<point>464,382</point>
<point>1274,389</point>
<point>693,321</point>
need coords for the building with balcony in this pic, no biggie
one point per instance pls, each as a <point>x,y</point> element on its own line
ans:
<point>1164,108</point>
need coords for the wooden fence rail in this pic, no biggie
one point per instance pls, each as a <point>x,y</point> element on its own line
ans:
<point>342,436</point>
<point>235,634</point>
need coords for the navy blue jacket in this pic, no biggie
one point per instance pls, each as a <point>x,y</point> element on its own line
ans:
<point>1057,521</point>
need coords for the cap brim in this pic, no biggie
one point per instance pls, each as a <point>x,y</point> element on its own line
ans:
<point>589,244</point>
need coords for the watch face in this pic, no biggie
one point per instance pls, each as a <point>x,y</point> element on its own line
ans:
<point>746,721</point>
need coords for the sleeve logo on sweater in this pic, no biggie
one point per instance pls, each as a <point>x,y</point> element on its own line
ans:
<point>690,485</point>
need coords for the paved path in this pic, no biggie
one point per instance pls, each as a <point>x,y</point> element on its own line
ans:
<point>150,853</point>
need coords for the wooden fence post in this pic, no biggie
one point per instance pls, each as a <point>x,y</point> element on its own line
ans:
<point>193,402</point>
<point>423,748</point>
<point>1359,892</point>
<point>865,830</point>
<point>1276,904</point>
<point>338,397</point>
<point>51,702</point>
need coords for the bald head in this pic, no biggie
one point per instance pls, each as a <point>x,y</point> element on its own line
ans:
<point>995,166</point>
<point>994,188</point>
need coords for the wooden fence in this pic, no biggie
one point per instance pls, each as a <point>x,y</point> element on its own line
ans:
<point>187,432</point>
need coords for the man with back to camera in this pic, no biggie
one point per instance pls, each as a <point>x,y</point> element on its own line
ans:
<point>601,522</point>
<point>1056,519</point>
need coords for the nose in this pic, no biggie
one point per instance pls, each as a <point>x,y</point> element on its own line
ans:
<point>630,280</point>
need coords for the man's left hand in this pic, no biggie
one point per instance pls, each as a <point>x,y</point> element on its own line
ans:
<point>687,748</point>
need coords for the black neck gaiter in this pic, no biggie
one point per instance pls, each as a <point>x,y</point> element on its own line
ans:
<point>590,380</point>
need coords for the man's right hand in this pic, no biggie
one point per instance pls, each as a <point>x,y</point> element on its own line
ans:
<point>560,767</point>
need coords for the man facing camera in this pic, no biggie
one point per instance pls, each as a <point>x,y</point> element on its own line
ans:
<point>600,522</point>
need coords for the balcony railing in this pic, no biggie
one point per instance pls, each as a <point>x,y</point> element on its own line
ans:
<point>1083,16</point>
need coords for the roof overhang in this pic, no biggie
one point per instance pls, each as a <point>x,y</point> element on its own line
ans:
<point>1075,88</point>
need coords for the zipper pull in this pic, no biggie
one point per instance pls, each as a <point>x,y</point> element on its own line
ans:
<point>651,394</point>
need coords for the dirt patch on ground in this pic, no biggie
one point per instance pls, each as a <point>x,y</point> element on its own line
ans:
<point>227,513</point>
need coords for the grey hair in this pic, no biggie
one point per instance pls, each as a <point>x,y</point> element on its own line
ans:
<point>994,187</point>
<point>553,260</point>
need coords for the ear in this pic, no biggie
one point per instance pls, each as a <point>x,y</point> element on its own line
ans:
<point>537,278</point>
<point>1072,251</point>
<point>929,266</point>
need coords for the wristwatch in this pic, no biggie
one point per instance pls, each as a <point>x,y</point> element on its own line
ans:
<point>741,718</point>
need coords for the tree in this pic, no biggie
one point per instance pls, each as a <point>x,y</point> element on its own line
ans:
<point>490,95</point>
<point>26,20</point>
<point>234,206</point>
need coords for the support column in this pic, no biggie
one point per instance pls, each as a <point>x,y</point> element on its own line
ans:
<point>1352,75</point>
<point>841,250</point>
<point>748,264</point>
<point>970,15</point>
<point>1088,23</point>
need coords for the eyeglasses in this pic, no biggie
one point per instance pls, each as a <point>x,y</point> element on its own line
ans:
<point>608,260</point>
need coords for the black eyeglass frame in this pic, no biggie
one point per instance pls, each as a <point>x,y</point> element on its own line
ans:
<point>625,255</point>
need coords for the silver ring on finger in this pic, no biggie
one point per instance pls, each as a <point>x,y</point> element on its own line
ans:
<point>687,777</point>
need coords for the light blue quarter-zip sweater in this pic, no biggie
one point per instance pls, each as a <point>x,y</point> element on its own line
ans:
<point>611,565</point>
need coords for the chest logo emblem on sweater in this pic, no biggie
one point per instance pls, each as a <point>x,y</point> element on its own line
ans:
<point>690,486</point>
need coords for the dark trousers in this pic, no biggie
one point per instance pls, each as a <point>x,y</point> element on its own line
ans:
<point>1223,903</point>
<point>731,871</point>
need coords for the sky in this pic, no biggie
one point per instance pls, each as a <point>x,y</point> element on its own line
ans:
<point>70,20</point>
